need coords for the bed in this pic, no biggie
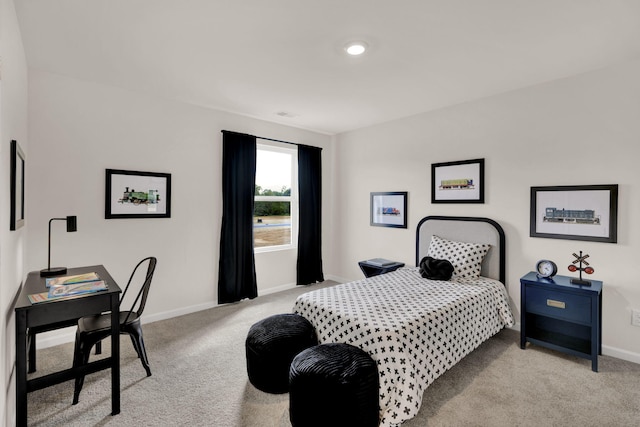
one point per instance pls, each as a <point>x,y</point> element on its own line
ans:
<point>415,328</point>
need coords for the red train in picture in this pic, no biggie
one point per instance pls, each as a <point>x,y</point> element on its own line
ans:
<point>389,211</point>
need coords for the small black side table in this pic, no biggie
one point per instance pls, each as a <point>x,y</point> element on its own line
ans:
<point>371,270</point>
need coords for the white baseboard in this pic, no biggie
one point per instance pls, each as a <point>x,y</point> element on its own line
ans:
<point>621,354</point>
<point>337,279</point>
<point>60,336</point>
<point>277,289</point>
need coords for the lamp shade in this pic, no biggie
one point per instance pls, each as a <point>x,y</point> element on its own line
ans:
<point>72,223</point>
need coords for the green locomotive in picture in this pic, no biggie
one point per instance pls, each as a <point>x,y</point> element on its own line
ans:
<point>140,197</point>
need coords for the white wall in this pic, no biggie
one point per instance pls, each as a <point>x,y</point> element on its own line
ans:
<point>577,131</point>
<point>78,129</point>
<point>13,125</point>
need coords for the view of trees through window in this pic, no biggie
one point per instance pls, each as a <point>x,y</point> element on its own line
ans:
<point>272,208</point>
<point>273,202</point>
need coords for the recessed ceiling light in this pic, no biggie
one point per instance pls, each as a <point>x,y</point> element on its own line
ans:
<point>356,48</point>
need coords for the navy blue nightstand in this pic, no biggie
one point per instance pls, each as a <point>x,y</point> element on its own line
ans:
<point>371,270</point>
<point>562,316</point>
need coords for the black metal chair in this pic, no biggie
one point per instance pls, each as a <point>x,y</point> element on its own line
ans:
<point>93,329</point>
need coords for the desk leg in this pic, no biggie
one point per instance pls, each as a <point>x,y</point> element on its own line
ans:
<point>31,344</point>
<point>21,368</point>
<point>115,354</point>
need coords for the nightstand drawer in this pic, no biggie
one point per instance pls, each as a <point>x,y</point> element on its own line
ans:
<point>560,305</point>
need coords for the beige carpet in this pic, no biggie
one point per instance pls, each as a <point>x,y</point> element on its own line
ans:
<point>199,379</point>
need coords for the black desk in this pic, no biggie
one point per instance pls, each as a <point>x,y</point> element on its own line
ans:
<point>58,312</point>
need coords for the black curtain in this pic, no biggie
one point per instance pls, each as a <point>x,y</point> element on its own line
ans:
<point>309,267</point>
<point>237,272</point>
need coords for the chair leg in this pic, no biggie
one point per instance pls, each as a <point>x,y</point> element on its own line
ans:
<point>32,352</point>
<point>80,358</point>
<point>136,347</point>
<point>136,335</point>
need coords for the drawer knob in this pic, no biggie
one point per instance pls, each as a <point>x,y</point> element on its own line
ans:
<point>556,304</point>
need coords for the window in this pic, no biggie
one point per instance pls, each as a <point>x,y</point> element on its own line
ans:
<point>275,215</point>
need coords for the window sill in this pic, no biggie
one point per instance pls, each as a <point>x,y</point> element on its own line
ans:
<point>279,248</point>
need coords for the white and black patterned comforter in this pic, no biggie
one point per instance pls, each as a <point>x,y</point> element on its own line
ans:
<point>414,328</point>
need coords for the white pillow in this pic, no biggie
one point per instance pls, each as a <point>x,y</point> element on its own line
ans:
<point>466,258</point>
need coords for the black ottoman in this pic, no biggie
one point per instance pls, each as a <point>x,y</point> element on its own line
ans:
<point>333,385</point>
<point>271,345</point>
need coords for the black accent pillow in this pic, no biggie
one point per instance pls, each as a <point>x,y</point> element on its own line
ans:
<point>435,269</point>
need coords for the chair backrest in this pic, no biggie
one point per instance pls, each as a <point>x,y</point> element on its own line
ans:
<point>141,299</point>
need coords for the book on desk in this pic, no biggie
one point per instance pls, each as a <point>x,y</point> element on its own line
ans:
<point>68,287</point>
<point>70,280</point>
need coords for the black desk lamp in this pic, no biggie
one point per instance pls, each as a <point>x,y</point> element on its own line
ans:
<point>72,225</point>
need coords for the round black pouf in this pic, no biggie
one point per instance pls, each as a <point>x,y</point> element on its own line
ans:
<point>333,385</point>
<point>271,345</point>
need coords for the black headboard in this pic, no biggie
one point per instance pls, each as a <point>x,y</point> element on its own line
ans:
<point>466,229</point>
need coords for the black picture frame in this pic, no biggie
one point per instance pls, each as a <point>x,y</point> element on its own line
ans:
<point>389,209</point>
<point>152,199</point>
<point>458,182</point>
<point>18,163</point>
<point>575,212</point>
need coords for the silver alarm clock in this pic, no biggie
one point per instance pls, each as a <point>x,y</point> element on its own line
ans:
<point>546,269</point>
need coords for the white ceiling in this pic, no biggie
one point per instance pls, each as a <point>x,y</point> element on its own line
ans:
<point>263,57</point>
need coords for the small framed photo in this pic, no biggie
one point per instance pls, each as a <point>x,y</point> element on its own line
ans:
<point>135,194</point>
<point>458,182</point>
<point>17,186</point>
<point>389,209</point>
<point>575,212</point>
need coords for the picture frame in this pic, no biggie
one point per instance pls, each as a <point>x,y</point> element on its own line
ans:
<point>18,163</point>
<point>575,212</point>
<point>136,194</point>
<point>458,182</point>
<point>389,209</point>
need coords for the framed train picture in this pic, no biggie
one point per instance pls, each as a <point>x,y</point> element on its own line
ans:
<point>575,212</point>
<point>135,194</point>
<point>389,209</point>
<point>458,182</point>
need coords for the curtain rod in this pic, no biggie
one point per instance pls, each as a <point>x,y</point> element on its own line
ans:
<point>269,139</point>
